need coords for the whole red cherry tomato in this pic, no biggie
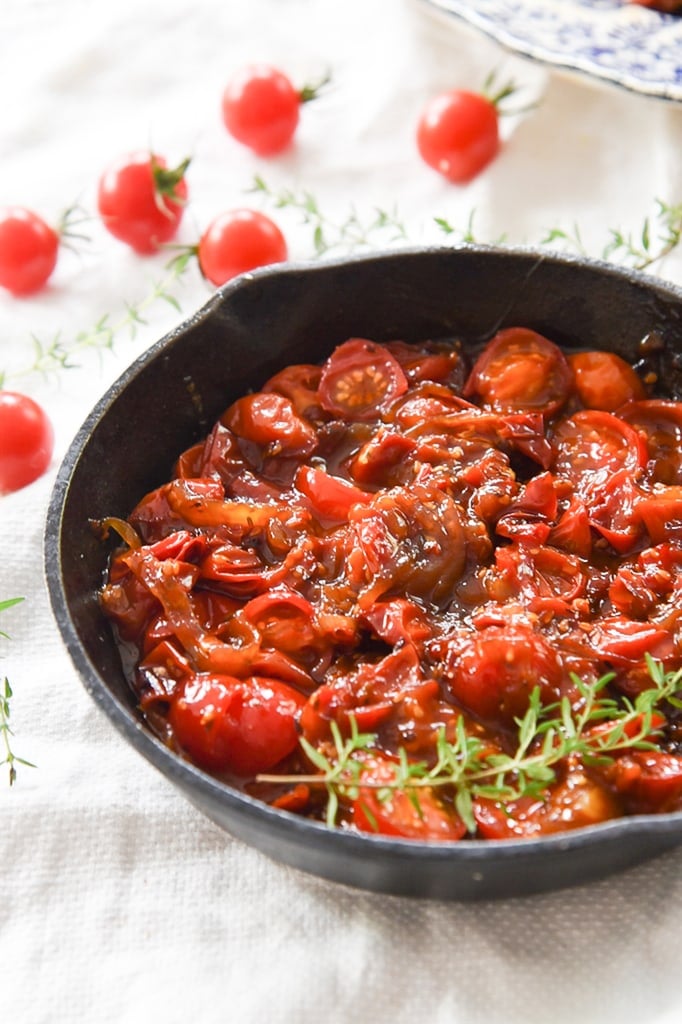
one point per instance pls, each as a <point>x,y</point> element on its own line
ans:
<point>261,108</point>
<point>493,673</point>
<point>238,241</point>
<point>28,250</point>
<point>458,134</point>
<point>141,201</point>
<point>240,725</point>
<point>26,441</point>
<point>520,370</point>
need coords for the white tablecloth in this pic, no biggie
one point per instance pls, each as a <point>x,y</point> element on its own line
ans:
<point>119,902</point>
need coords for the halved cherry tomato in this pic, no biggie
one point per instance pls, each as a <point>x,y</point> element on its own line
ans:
<point>396,813</point>
<point>659,422</point>
<point>360,379</point>
<point>520,370</point>
<point>605,381</point>
<point>240,725</point>
<point>661,513</point>
<point>592,445</point>
<point>299,384</point>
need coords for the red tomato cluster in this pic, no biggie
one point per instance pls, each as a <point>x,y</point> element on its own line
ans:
<point>413,544</point>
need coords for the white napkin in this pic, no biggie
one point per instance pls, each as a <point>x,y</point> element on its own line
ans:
<point>119,902</point>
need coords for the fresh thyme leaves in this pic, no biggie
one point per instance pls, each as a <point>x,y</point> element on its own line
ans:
<point>348,234</point>
<point>596,731</point>
<point>10,757</point>
<point>6,733</point>
<point>60,354</point>
<point>658,237</point>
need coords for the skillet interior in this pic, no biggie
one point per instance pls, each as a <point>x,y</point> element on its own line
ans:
<point>253,327</point>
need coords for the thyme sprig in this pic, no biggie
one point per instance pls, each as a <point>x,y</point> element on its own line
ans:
<point>659,236</point>
<point>61,354</point>
<point>10,758</point>
<point>349,234</point>
<point>464,766</point>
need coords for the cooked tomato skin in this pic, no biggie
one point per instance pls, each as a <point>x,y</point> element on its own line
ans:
<point>605,381</point>
<point>519,370</point>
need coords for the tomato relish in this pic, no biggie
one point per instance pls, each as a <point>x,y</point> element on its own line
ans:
<point>416,545</point>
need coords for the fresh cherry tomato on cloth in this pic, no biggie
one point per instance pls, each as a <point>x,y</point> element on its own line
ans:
<point>28,250</point>
<point>520,371</point>
<point>238,241</point>
<point>458,134</point>
<point>360,379</point>
<point>26,441</point>
<point>141,201</point>
<point>261,108</point>
<point>240,725</point>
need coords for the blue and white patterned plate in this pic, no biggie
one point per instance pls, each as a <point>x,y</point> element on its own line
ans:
<point>618,42</point>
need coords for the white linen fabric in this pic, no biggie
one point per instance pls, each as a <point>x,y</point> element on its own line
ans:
<point>119,902</point>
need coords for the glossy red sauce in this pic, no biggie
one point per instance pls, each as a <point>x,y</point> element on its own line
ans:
<point>413,544</point>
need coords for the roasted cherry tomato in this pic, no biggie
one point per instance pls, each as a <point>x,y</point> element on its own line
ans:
<point>270,419</point>
<point>240,725</point>
<point>26,441</point>
<point>458,134</point>
<point>592,445</point>
<point>238,241</point>
<point>360,379</point>
<point>141,201</point>
<point>28,250</point>
<point>492,673</point>
<point>659,423</point>
<point>605,381</point>
<point>574,802</point>
<point>519,371</point>
<point>419,815</point>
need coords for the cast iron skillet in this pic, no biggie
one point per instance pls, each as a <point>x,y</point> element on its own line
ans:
<point>170,397</point>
